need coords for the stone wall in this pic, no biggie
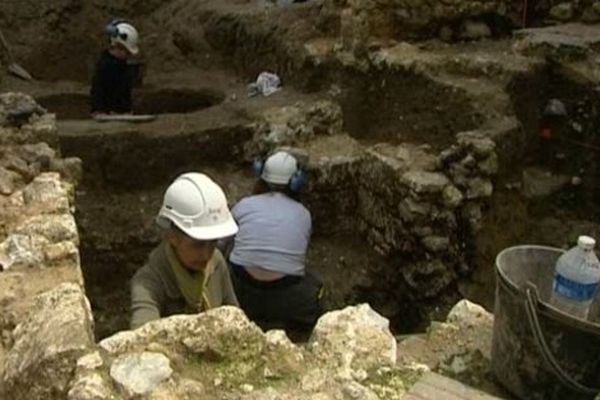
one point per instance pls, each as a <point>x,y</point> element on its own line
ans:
<point>43,325</point>
<point>220,354</point>
<point>418,208</point>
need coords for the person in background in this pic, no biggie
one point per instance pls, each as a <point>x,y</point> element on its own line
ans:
<point>112,83</point>
<point>185,273</point>
<point>267,257</point>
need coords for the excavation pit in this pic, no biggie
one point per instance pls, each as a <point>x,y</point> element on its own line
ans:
<point>69,106</point>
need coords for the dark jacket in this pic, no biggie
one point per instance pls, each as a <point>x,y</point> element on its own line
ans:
<point>111,85</point>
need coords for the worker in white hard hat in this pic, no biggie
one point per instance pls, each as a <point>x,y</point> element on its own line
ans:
<point>112,82</point>
<point>186,273</point>
<point>267,258</point>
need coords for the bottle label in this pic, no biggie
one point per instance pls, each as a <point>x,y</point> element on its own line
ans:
<point>574,290</point>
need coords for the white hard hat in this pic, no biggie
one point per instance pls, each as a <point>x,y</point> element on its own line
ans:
<point>279,168</point>
<point>197,206</point>
<point>126,35</point>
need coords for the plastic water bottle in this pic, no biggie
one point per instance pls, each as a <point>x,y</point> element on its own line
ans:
<point>576,279</point>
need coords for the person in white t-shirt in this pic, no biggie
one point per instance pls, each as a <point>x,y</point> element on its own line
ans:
<point>267,259</point>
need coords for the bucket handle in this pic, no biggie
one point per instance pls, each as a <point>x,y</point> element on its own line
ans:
<point>534,323</point>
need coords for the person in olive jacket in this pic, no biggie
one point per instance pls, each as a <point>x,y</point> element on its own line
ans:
<point>186,273</point>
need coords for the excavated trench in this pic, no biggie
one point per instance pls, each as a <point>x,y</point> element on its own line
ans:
<point>126,171</point>
<point>550,195</point>
<point>69,106</point>
<point>404,107</point>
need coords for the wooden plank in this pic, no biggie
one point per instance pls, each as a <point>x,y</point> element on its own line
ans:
<point>411,396</point>
<point>457,388</point>
<point>425,391</point>
<point>434,386</point>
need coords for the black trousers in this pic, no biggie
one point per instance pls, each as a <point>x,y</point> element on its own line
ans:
<point>290,302</point>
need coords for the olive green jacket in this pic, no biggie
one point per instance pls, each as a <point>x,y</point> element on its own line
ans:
<point>155,293</point>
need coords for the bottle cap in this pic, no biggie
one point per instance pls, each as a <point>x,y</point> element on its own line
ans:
<point>586,242</point>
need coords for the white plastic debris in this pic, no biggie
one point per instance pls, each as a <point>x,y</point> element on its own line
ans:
<point>266,84</point>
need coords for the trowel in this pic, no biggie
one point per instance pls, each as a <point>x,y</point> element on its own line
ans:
<point>13,67</point>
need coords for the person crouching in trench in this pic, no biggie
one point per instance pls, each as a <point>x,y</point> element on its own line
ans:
<point>185,273</point>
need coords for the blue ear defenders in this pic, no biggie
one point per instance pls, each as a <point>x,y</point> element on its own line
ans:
<point>297,181</point>
<point>112,29</point>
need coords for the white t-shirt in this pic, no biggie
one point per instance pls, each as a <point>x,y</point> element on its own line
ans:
<point>274,232</point>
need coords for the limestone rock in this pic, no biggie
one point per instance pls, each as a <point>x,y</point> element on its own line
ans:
<point>425,182</point>
<point>17,109</point>
<point>479,188</point>
<point>355,391</point>
<point>452,197</point>
<point>474,141</point>
<point>281,351</point>
<point>65,252</point>
<point>38,153</point>
<point>489,166</point>
<point>435,243</point>
<point>9,181</point>
<point>459,347</point>
<point>217,330</point>
<point>70,168</point>
<point>12,162</point>
<point>295,124</point>
<point>563,42</point>
<point>90,362</point>
<point>55,228</point>
<point>47,194</point>
<point>140,373</point>
<point>474,30</point>
<point>466,313</point>
<point>190,389</point>
<point>353,338</point>
<point>91,387</point>
<point>57,331</point>
<point>562,11</point>
<point>410,208</point>
<point>314,380</point>
<point>22,251</point>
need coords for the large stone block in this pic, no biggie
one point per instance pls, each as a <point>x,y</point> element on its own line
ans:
<point>48,194</point>
<point>138,374</point>
<point>425,182</point>
<point>47,344</point>
<point>354,338</point>
<point>217,331</point>
<point>9,181</point>
<point>55,228</point>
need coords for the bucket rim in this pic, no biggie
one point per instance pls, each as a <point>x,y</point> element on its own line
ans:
<point>544,307</point>
<point>521,246</point>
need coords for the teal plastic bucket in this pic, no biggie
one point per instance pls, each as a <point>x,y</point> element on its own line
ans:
<point>539,352</point>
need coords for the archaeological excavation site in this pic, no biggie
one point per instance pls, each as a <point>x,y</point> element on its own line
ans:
<point>435,135</point>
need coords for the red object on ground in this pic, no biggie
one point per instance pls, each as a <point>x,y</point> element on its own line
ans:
<point>546,133</point>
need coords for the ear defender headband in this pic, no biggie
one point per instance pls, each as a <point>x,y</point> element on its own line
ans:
<point>297,181</point>
<point>112,29</point>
